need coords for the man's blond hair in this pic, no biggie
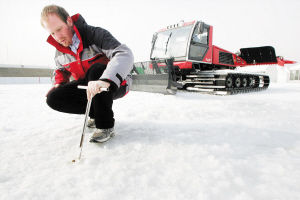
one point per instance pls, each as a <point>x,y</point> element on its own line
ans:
<point>54,9</point>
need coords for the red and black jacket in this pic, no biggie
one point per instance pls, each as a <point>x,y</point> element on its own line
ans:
<point>97,45</point>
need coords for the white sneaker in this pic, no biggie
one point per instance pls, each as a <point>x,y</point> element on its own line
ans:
<point>91,123</point>
<point>102,135</point>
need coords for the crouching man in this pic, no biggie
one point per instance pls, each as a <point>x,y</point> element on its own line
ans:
<point>94,58</point>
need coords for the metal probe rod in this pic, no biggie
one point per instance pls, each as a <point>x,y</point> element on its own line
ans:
<point>87,111</point>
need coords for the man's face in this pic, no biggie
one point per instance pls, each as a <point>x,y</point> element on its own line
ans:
<point>62,32</point>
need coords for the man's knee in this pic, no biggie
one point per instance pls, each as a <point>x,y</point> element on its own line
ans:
<point>51,99</point>
<point>95,71</point>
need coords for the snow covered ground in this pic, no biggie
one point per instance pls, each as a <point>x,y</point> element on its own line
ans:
<point>187,146</point>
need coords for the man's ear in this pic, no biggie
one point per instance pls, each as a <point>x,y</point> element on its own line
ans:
<point>69,21</point>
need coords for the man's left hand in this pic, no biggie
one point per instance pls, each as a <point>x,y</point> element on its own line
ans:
<point>94,87</point>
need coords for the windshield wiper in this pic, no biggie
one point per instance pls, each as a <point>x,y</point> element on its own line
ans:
<point>168,43</point>
<point>153,44</point>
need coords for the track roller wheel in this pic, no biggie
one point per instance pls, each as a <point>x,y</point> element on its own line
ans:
<point>256,81</point>
<point>244,82</point>
<point>237,82</point>
<point>251,81</point>
<point>229,82</point>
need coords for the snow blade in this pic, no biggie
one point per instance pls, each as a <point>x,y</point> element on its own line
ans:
<point>154,76</point>
<point>259,55</point>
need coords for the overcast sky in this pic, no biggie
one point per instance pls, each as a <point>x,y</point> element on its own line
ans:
<point>237,24</point>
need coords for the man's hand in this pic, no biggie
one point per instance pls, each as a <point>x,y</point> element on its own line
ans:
<point>94,88</point>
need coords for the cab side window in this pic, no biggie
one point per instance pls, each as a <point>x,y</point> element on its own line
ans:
<point>201,38</point>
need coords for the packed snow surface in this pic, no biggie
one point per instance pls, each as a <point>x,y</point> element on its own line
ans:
<point>186,146</point>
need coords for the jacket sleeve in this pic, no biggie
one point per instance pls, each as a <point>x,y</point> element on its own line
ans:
<point>61,75</point>
<point>121,57</point>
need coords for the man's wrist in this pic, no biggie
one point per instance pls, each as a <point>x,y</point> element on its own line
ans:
<point>104,83</point>
<point>112,86</point>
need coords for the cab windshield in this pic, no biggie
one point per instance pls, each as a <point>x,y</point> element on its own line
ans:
<point>171,43</point>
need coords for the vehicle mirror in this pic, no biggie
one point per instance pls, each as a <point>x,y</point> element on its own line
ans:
<point>201,27</point>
